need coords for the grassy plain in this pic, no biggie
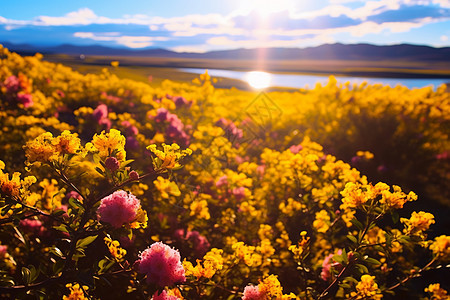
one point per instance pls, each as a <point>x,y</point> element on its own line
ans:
<point>140,68</point>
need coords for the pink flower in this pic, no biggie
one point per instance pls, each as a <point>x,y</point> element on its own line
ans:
<point>164,296</point>
<point>239,193</point>
<point>112,164</point>
<point>101,112</point>
<point>252,292</point>
<point>32,226</point>
<point>326,266</point>
<point>3,251</point>
<point>222,181</point>
<point>162,265</point>
<point>133,175</point>
<point>295,148</point>
<point>118,208</point>
<point>12,84</point>
<point>25,99</point>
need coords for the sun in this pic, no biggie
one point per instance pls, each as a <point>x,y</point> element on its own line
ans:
<point>258,79</point>
<point>266,7</point>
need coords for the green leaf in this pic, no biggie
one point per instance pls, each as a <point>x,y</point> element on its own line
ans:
<point>55,250</point>
<point>127,162</point>
<point>362,268</point>
<point>351,279</point>
<point>58,212</point>
<point>352,238</point>
<point>5,209</point>
<point>357,224</point>
<point>373,261</point>
<point>96,158</point>
<point>100,171</point>
<point>344,285</point>
<point>26,275</point>
<point>76,204</point>
<point>34,273</point>
<point>58,266</point>
<point>83,243</point>
<point>62,228</point>
<point>344,256</point>
<point>338,258</point>
<point>395,217</point>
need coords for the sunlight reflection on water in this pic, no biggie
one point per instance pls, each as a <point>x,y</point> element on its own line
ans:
<point>304,80</point>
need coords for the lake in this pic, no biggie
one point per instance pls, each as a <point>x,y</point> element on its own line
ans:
<point>302,81</point>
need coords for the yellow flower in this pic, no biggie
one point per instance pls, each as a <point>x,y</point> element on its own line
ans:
<point>437,293</point>
<point>322,221</point>
<point>354,195</point>
<point>114,249</point>
<point>212,262</point>
<point>67,143</point>
<point>418,222</point>
<point>199,208</point>
<point>15,187</point>
<point>441,247</point>
<point>367,288</point>
<point>41,149</point>
<point>397,198</point>
<point>169,157</point>
<point>108,144</point>
<point>76,292</point>
<point>115,63</point>
<point>166,187</point>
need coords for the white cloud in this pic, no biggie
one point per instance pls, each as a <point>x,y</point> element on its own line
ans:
<point>83,16</point>
<point>444,38</point>
<point>125,40</point>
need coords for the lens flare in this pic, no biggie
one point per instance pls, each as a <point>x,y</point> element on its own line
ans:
<point>258,79</point>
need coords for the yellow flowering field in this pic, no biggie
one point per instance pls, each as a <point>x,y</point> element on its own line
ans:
<point>117,189</point>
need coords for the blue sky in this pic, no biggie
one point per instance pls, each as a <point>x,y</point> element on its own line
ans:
<point>200,25</point>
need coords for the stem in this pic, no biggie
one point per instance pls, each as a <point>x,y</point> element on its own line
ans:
<point>410,276</point>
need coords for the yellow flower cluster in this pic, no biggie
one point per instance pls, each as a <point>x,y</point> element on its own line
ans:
<point>418,223</point>
<point>111,144</point>
<point>76,292</point>
<point>322,221</point>
<point>356,195</point>
<point>46,148</point>
<point>272,289</point>
<point>15,187</point>
<point>441,247</point>
<point>436,292</point>
<point>169,157</point>
<point>166,187</point>
<point>212,262</point>
<point>367,288</point>
<point>115,250</point>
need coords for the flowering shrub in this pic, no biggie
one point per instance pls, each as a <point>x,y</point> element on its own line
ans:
<point>172,192</point>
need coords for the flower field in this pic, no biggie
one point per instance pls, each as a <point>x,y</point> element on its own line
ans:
<point>117,189</point>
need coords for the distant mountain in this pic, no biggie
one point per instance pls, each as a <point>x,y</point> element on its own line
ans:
<point>366,52</point>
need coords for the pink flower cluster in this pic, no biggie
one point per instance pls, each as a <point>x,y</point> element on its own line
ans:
<point>32,226</point>
<point>296,148</point>
<point>18,89</point>
<point>233,133</point>
<point>328,262</point>
<point>118,208</point>
<point>252,292</point>
<point>162,265</point>
<point>164,296</point>
<point>3,251</point>
<point>175,128</point>
<point>131,131</point>
<point>100,115</point>
<point>199,242</point>
<point>179,101</point>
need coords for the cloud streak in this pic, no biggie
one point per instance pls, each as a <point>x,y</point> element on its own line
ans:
<point>204,32</point>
